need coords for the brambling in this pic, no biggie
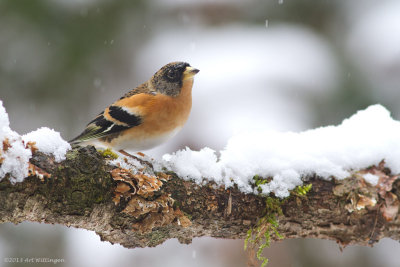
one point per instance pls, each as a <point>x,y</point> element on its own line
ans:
<point>147,115</point>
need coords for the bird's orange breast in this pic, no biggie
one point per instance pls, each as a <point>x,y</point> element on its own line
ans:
<point>167,112</point>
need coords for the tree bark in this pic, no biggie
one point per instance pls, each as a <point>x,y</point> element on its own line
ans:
<point>136,209</point>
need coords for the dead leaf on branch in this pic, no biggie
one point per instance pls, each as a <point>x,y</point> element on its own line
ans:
<point>129,184</point>
<point>38,172</point>
<point>362,194</point>
<point>137,189</point>
<point>390,209</point>
<point>182,220</point>
<point>385,181</point>
<point>31,145</point>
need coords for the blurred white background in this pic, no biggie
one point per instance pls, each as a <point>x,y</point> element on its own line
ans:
<point>284,65</point>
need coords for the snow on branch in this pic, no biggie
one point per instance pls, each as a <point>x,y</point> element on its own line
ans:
<point>363,140</point>
<point>350,171</point>
<point>16,150</point>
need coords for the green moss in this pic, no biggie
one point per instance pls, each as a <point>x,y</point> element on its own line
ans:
<point>273,205</point>
<point>72,154</point>
<point>266,226</point>
<point>302,190</point>
<point>267,243</point>
<point>82,182</point>
<point>248,236</point>
<point>157,237</point>
<point>188,215</point>
<point>99,199</point>
<point>177,204</point>
<point>258,181</point>
<point>107,153</point>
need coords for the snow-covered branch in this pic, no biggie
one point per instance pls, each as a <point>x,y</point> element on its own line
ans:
<point>138,209</point>
<point>350,171</point>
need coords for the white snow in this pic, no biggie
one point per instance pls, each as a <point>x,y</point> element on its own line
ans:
<point>363,140</point>
<point>126,162</point>
<point>371,178</point>
<point>49,142</point>
<point>15,158</point>
<point>195,164</point>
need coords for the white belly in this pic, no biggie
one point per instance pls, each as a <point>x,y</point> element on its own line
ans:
<point>134,144</point>
<point>146,143</point>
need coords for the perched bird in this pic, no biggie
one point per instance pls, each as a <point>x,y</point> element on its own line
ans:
<point>147,115</point>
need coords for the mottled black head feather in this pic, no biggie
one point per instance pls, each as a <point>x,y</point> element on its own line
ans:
<point>168,80</point>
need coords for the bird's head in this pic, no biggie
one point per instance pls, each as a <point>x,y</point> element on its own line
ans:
<point>170,78</point>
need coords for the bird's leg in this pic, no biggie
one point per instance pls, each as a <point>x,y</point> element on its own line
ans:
<point>123,152</point>
<point>145,163</point>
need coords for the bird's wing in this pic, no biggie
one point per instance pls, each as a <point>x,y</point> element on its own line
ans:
<point>122,115</point>
<point>102,125</point>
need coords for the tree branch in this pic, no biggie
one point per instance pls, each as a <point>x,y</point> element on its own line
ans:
<point>136,209</point>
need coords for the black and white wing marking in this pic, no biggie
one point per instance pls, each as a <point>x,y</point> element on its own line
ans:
<point>120,119</point>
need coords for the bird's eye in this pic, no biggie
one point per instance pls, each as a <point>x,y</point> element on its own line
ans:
<point>172,75</point>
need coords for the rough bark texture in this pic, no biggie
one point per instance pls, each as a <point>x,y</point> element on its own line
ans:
<point>139,210</point>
